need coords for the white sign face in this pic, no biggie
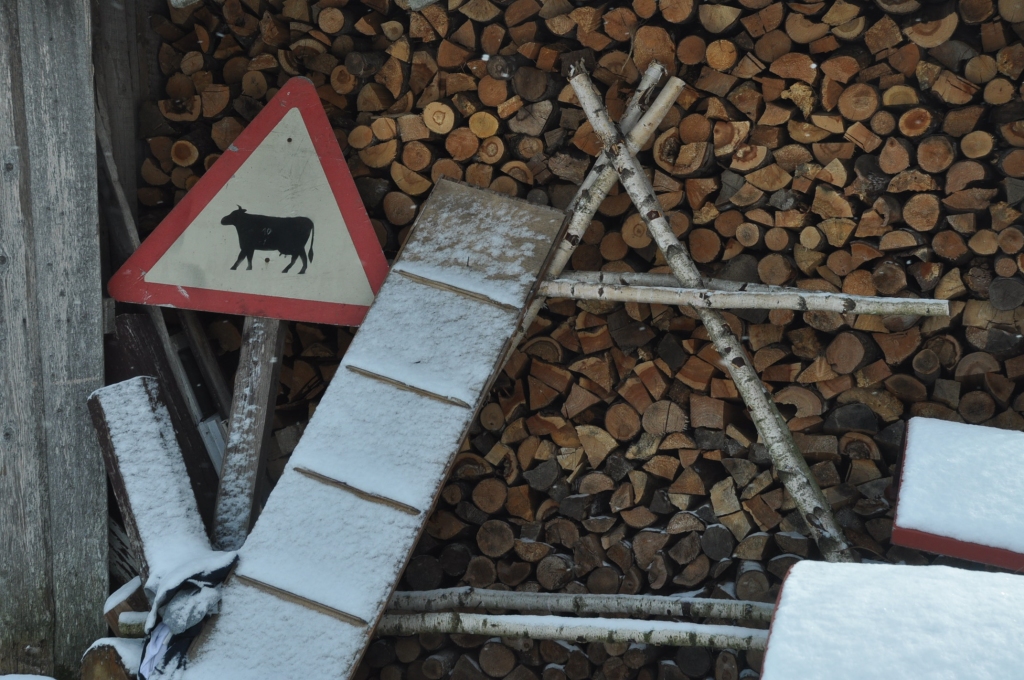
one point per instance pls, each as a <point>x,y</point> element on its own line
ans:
<point>283,178</point>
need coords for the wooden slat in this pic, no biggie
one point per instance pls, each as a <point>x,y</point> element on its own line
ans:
<point>53,318</point>
<point>26,613</point>
<point>369,467</point>
<point>251,417</point>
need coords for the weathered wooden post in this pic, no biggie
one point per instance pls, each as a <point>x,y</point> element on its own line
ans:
<point>53,524</point>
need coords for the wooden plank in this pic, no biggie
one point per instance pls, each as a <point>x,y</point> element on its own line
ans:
<point>49,144</point>
<point>369,467</point>
<point>147,473</point>
<point>26,610</point>
<point>134,349</point>
<point>256,383</point>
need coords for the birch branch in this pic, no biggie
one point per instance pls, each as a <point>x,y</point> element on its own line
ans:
<point>778,298</point>
<point>602,177</point>
<point>627,605</point>
<point>669,633</point>
<point>789,463</point>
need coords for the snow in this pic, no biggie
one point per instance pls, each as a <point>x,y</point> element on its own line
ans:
<point>130,651</point>
<point>500,261</point>
<point>159,587</point>
<point>366,450</point>
<point>341,550</point>
<point>121,594</point>
<point>262,637</point>
<point>963,482</point>
<point>432,339</point>
<point>857,621</point>
<point>154,474</point>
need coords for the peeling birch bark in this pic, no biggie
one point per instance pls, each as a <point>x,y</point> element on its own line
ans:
<point>774,297</point>
<point>602,177</point>
<point>629,605</point>
<point>669,633</point>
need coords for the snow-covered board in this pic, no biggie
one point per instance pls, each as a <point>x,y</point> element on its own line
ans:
<point>960,491</point>
<point>148,475</point>
<point>318,568</point>
<point>873,621</point>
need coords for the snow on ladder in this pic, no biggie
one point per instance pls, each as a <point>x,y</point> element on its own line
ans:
<point>318,568</point>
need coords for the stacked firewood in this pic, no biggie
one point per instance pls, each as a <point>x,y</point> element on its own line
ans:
<point>873,149</point>
<point>473,657</point>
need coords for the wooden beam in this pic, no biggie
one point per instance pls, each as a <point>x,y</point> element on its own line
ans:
<point>53,540</point>
<point>252,413</point>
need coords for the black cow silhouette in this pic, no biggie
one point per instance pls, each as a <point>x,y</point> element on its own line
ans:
<point>287,235</point>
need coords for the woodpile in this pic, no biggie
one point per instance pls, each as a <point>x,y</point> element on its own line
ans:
<point>869,149</point>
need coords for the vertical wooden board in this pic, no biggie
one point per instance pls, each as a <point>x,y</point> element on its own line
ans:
<point>116,54</point>
<point>56,59</point>
<point>26,611</point>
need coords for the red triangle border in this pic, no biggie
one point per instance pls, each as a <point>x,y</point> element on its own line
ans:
<point>129,284</point>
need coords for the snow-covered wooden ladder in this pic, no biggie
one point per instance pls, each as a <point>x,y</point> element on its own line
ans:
<point>318,568</point>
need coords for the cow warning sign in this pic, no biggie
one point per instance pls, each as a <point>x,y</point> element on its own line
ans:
<point>275,228</point>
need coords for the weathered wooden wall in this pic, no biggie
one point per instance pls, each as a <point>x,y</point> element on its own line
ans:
<point>53,571</point>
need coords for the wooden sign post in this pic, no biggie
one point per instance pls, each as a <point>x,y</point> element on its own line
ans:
<point>275,230</point>
<point>259,367</point>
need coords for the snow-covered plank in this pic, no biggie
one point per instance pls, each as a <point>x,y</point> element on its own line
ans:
<point>857,621</point>
<point>336,555</point>
<point>148,475</point>
<point>960,491</point>
<point>261,635</point>
<point>391,461</point>
<point>417,339</point>
<point>480,241</point>
<point>339,527</point>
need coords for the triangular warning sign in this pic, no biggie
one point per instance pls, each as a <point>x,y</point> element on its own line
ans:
<point>275,228</point>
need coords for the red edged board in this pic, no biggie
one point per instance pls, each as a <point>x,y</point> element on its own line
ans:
<point>944,545</point>
<point>951,547</point>
<point>286,174</point>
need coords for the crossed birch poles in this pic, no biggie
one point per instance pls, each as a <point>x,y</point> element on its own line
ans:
<point>687,287</point>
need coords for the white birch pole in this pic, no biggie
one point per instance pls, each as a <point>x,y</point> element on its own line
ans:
<point>669,633</point>
<point>789,462</point>
<point>780,298</point>
<point>625,605</point>
<point>602,178</point>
